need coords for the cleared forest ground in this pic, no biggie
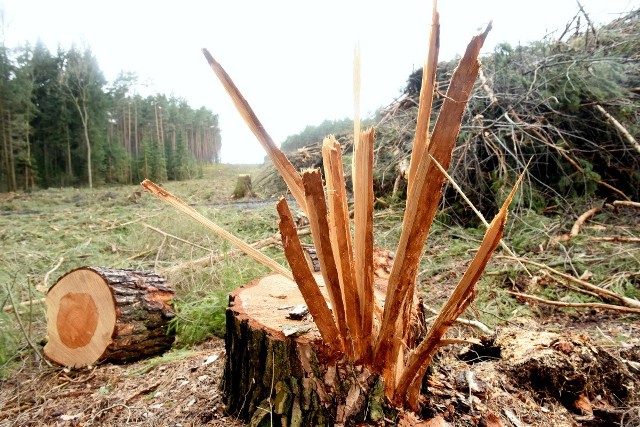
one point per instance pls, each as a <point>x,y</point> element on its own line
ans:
<point>114,227</point>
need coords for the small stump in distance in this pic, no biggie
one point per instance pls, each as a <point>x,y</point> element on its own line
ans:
<point>98,314</point>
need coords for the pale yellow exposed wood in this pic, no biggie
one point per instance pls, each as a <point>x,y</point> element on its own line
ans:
<point>88,283</point>
<point>627,135</point>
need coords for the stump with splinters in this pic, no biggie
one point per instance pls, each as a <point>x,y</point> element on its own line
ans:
<point>361,349</point>
<point>278,369</point>
<point>99,314</point>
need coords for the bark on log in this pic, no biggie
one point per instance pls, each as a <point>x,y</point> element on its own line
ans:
<point>279,372</point>
<point>97,314</point>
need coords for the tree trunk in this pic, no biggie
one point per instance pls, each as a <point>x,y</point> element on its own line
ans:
<point>97,314</point>
<point>279,372</point>
<point>85,125</point>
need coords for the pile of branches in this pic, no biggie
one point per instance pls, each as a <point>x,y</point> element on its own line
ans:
<point>568,108</point>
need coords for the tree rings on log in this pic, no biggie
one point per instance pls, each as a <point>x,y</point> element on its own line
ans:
<point>98,314</point>
<point>279,370</point>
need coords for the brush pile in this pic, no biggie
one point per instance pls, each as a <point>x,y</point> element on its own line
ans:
<point>570,106</point>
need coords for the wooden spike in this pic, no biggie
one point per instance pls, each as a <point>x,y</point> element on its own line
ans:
<point>280,161</point>
<point>420,146</point>
<point>460,299</point>
<point>421,140</point>
<point>318,221</point>
<point>340,235</point>
<point>177,203</point>
<point>421,209</point>
<point>305,280</point>
<point>356,96</point>
<point>362,176</point>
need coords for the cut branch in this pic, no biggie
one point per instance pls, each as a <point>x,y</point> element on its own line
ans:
<point>577,304</point>
<point>174,201</point>
<point>603,293</point>
<point>279,159</point>
<point>626,203</point>
<point>627,135</point>
<point>305,280</point>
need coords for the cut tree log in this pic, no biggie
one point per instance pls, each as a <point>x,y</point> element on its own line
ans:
<point>98,314</point>
<point>279,370</point>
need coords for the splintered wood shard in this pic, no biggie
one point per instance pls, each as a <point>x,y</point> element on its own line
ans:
<point>411,380</point>
<point>421,140</point>
<point>421,209</point>
<point>280,161</point>
<point>305,280</point>
<point>362,176</point>
<point>318,221</point>
<point>177,203</point>
<point>340,235</point>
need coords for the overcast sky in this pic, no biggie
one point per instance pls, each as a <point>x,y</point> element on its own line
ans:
<point>291,59</point>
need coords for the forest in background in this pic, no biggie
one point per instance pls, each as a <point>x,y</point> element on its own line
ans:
<point>63,124</point>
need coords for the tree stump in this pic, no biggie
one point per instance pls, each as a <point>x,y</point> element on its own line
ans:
<point>97,314</point>
<point>243,187</point>
<point>278,371</point>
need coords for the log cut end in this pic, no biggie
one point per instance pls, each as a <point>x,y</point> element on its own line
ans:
<point>96,314</point>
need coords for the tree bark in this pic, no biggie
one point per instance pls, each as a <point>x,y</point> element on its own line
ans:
<point>96,314</point>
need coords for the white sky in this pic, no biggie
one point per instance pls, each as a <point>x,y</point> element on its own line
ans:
<point>291,59</point>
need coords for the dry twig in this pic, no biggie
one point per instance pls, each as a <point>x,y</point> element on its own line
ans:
<point>581,219</point>
<point>602,293</point>
<point>577,304</point>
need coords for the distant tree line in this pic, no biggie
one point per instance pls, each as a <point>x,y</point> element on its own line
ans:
<point>62,124</point>
<point>313,134</point>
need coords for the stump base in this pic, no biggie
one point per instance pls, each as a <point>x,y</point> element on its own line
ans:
<point>279,371</point>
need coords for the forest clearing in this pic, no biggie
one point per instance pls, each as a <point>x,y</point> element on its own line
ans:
<point>104,227</point>
<point>326,307</point>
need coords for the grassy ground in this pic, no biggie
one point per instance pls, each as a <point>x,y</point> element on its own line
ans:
<point>47,233</point>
